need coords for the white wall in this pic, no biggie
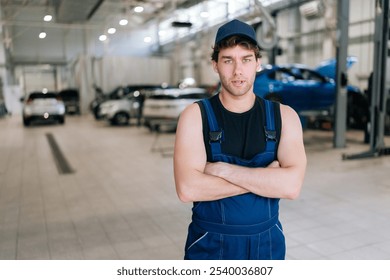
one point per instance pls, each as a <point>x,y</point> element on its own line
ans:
<point>127,70</point>
<point>12,95</point>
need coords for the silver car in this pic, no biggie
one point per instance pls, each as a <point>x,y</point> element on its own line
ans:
<point>120,111</point>
<point>44,107</point>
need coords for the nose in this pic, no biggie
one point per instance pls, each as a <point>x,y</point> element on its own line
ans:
<point>237,68</point>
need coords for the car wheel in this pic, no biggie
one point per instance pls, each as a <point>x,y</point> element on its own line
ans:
<point>61,120</point>
<point>274,97</point>
<point>121,119</point>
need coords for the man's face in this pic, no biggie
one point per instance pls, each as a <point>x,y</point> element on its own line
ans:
<point>236,68</point>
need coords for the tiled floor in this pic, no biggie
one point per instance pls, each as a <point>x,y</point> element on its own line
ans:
<point>120,203</point>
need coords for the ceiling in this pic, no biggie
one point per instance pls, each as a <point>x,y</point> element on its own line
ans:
<point>97,13</point>
<point>24,18</point>
<point>70,13</point>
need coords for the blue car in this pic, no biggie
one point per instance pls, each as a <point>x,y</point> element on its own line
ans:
<point>301,88</point>
<point>305,89</point>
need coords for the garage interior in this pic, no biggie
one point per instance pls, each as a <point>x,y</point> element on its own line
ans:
<point>90,190</point>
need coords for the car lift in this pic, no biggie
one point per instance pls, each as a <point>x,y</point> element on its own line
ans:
<point>380,90</point>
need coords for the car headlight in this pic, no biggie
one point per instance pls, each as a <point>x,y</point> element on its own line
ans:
<point>136,105</point>
<point>27,110</point>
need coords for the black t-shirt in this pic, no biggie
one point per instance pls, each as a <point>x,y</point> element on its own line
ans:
<point>244,134</point>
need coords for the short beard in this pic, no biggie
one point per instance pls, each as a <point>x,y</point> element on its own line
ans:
<point>233,90</point>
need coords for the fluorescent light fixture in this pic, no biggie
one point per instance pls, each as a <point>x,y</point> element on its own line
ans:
<point>148,39</point>
<point>103,37</point>
<point>111,30</point>
<point>123,22</point>
<point>139,9</point>
<point>42,35</point>
<point>47,18</point>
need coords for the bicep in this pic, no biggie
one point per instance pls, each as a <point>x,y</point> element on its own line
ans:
<point>291,152</point>
<point>189,154</point>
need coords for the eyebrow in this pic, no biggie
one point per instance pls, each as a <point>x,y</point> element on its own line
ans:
<point>230,57</point>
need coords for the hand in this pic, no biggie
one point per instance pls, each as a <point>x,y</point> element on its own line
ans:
<point>219,168</point>
<point>214,168</point>
<point>274,164</point>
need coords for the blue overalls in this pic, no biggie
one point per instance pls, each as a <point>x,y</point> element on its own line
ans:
<point>243,226</point>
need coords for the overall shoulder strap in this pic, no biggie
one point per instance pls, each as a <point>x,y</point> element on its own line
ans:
<point>215,133</point>
<point>269,127</point>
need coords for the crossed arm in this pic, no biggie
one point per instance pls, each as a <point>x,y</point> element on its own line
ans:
<point>198,180</point>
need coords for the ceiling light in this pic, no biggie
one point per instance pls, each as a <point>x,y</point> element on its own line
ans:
<point>111,30</point>
<point>123,22</point>
<point>147,39</point>
<point>42,35</point>
<point>102,37</point>
<point>138,9</point>
<point>47,18</point>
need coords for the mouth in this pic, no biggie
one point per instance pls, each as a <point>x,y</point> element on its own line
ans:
<point>238,83</point>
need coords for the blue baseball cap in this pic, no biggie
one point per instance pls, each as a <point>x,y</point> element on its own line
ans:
<point>236,27</point>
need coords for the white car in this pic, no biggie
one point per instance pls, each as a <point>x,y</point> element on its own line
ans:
<point>120,111</point>
<point>45,107</point>
<point>163,107</point>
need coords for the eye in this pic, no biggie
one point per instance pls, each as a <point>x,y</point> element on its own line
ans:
<point>246,60</point>
<point>227,61</point>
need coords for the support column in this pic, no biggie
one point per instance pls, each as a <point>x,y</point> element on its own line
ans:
<point>341,74</point>
<point>380,86</point>
<point>379,91</point>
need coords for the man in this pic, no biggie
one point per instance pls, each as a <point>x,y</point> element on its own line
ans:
<point>235,156</point>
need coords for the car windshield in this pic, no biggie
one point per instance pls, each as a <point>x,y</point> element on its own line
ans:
<point>306,74</point>
<point>69,94</point>
<point>282,74</point>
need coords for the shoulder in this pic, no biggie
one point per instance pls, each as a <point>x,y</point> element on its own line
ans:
<point>191,110</point>
<point>288,112</point>
<point>190,117</point>
<point>290,119</point>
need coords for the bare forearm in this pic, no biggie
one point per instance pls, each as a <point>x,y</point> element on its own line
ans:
<point>204,187</point>
<point>269,182</point>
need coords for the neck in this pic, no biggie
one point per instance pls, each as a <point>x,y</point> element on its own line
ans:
<point>237,104</point>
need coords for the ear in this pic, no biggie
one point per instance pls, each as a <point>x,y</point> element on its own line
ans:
<point>215,66</point>
<point>258,65</point>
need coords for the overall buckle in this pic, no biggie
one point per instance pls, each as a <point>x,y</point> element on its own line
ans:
<point>216,136</point>
<point>270,134</point>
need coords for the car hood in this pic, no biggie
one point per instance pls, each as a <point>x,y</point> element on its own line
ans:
<point>328,67</point>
